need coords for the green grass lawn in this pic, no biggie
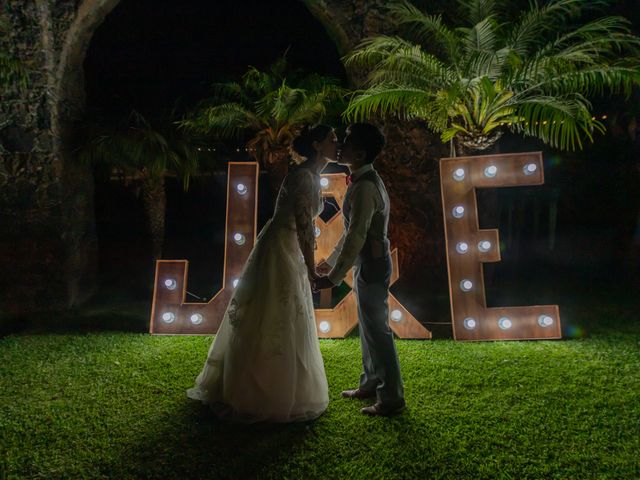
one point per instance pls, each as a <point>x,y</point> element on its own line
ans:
<point>113,405</point>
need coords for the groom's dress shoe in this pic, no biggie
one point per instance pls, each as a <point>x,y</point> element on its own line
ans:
<point>359,394</point>
<point>381,410</point>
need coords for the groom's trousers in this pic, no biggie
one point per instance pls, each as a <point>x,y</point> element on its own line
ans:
<point>379,357</point>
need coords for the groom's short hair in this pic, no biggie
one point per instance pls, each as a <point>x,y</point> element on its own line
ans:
<point>367,137</point>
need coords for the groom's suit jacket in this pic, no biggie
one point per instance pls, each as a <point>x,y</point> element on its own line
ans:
<point>366,218</point>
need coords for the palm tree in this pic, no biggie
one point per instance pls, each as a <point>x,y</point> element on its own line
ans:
<point>486,74</point>
<point>147,153</point>
<point>270,108</point>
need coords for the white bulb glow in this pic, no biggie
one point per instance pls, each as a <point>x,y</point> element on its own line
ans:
<point>317,231</point>
<point>196,319</point>
<point>469,323</point>
<point>396,315</point>
<point>466,285</point>
<point>458,211</point>
<point>242,189</point>
<point>458,174</point>
<point>235,283</point>
<point>545,321</point>
<point>324,326</point>
<point>505,323</point>
<point>324,182</point>
<point>239,238</point>
<point>530,168</point>
<point>170,283</point>
<point>491,171</point>
<point>462,247</point>
<point>484,246</point>
<point>168,317</point>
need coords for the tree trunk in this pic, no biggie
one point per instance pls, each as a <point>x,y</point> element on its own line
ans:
<point>409,167</point>
<point>155,205</point>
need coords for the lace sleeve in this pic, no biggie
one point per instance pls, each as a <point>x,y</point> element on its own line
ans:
<point>302,192</point>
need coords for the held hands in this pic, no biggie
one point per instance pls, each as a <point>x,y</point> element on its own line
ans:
<point>318,277</point>
<point>323,268</point>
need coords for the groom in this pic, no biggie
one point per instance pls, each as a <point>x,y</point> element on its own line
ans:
<point>365,244</point>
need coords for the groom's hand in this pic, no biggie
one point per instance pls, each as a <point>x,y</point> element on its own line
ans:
<point>323,268</point>
<point>323,282</point>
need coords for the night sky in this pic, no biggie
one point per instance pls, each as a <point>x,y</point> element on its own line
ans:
<point>149,54</point>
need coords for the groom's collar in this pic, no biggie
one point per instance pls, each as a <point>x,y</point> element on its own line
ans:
<point>361,171</point>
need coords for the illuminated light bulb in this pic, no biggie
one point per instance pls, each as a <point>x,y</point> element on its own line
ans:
<point>324,326</point>
<point>458,174</point>
<point>168,317</point>
<point>491,171</point>
<point>317,231</point>
<point>505,323</point>
<point>530,168</point>
<point>469,323</point>
<point>545,321</point>
<point>466,285</point>
<point>235,283</point>
<point>242,189</point>
<point>484,246</point>
<point>458,211</point>
<point>396,315</point>
<point>462,247</point>
<point>170,283</point>
<point>324,182</point>
<point>239,238</point>
<point>196,319</point>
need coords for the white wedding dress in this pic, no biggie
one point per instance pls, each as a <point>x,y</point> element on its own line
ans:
<point>265,362</point>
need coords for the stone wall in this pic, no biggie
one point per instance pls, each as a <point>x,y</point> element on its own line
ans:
<point>47,232</point>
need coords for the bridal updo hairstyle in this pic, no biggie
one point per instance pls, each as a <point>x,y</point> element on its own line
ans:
<point>368,138</point>
<point>302,146</point>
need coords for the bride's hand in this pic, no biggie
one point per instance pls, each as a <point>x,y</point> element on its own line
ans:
<point>324,268</point>
<point>313,275</point>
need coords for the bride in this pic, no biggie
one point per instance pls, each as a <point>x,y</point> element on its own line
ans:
<point>265,362</point>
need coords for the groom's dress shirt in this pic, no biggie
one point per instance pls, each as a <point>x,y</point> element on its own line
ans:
<point>366,211</point>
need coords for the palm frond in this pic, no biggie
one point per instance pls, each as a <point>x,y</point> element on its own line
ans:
<point>476,11</point>
<point>371,51</point>
<point>411,66</point>
<point>427,30</point>
<point>534,24</point>
<point>404,103</point>
<point>561,122</point>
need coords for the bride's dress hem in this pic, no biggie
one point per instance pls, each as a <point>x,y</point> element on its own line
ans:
<point>225,412</point>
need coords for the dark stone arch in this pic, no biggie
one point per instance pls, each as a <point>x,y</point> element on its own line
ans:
<point>55,195</point>
<point>48,203</point>
<point>69,91</point>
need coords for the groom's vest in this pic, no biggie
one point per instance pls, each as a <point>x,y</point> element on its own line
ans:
<point>376,244</point>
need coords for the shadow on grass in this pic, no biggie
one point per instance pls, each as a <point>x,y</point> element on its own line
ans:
<point>191,443</point>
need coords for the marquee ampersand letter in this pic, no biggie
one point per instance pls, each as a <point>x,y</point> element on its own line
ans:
<point>338,321</point>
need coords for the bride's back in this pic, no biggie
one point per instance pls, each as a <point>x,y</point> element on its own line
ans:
<point>300,191</point>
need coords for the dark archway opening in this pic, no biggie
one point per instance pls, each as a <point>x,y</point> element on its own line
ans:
<point>158,55</point>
